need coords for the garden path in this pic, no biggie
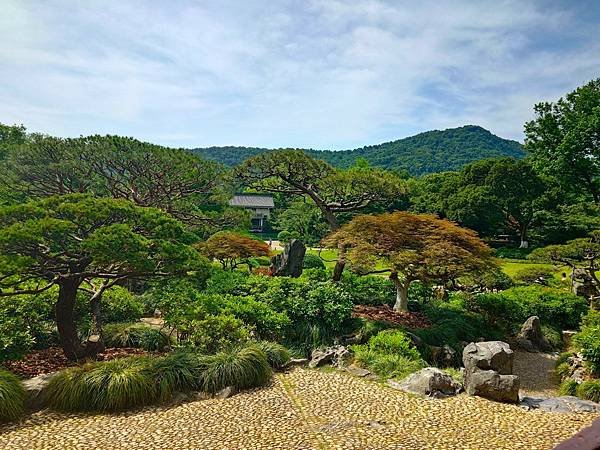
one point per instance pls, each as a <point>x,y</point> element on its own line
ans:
<point>304,409</point>
<point>536,371</point>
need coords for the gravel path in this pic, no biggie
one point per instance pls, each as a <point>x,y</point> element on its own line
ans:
<point>537,373</point>
<point>305,409</point>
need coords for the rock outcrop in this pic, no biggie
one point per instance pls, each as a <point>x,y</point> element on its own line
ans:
<point>488,371</point>
<point>531,338</point>
<point>432,382</point>
<point>337,356</point>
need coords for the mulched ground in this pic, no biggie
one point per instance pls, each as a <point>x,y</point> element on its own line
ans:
<point>53,359</point>
<point>385,313</point>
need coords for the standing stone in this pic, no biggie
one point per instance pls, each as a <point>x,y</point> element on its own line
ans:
<point>488,371</point>
<point>530,337</point>
<point>290,262</point>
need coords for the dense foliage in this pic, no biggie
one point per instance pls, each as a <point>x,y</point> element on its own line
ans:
<point>12,397</point>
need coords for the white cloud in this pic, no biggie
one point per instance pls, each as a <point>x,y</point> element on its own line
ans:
<point>323,74</point>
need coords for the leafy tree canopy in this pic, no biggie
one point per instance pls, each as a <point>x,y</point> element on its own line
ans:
<point>232,249</point>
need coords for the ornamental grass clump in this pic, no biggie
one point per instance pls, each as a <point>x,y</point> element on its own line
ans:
<point>277,355</point>
<point>105,386</point>
<point>12,397</point>
<point>136,335</point>
<point>589,390</point>
<point>241,368</point>
<point>174,373</point>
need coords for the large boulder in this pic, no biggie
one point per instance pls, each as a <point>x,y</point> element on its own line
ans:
<point>290,262</point>
<point>337,356</point>
<point>488,355</point>
<point>530,337</point>
<point>431,382</point>
<point>35,391</point>
<point>491,385</point>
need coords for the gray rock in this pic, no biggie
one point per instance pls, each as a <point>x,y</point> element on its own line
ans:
<point>431,382</point>
<point>488,355</point>
<point>35,390</point>
<point>493,386</point>
<point>337,356</point>
<point>530,338</point>
<point>564,404</point>
<point>442,356</point>
<point>296,362</point>
<point>226,392</point>
<point>357,371</point>
<point>290,262</point>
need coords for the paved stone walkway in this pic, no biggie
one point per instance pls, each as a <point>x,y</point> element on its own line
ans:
<point>305,409</point>
<point>536,371</point>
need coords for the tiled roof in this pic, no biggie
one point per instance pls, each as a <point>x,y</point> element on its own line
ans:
<point>252,201</point>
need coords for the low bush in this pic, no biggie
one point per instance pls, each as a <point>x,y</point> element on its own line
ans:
<point>369,289</point>
<point>563,357</point>
<point>553,336</point>
<point>136,335</point>
<point>562,370</point>
<point>119,306</point>
<point>591,319</point>
<point>588,342</point>
<point>589,390</point>
<point>530,275</point>
<point>389,354</point>
<point>510,308</point>
<point>277,355</point>
<point>241,368</point>
<point>312,261</point>
<point>213,333</point>
<point>568,387</point>
<point>12,397</point>
<point>512,252</point>
<point>106,386</point>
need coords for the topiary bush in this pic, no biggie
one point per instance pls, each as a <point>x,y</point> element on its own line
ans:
<point>136,335</point>
<point>12,397</point>
<point>241,368</point>
<point>277,355</point>
<point>106,386</point>
<point>312,261</point>
<point>589,390</point>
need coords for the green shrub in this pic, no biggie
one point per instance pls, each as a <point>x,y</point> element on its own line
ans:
<point>589,390</point>
<point>562,370</point>
<point>389,354</point>
<point>563,357</point>
<point>26,322</point>
<point>568,387</point>
<point>277,355</point>
<point>106,386</point>
<point>591,319</point>
<point>136,335</point>
<point>242,368</point>
<point>513,306</point>
<point>369,289</point>
<point>512,252</point>
<point>12,397</point>
<point>213,333</point>
<point>553,336</point>
<point>316,275</point>
<point>529,275</point>
<point>262,317</point>
<point>588,341</point>
<point>119,306</point>
<point>491,280</point>
<point>312,261</point>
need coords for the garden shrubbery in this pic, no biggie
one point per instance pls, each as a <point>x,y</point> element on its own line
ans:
<point>12,397</point>
<point>136,335</point>
<point>389,354</point>
<point>529,275</point>
<point>312,261</point>
<point>138,381</point>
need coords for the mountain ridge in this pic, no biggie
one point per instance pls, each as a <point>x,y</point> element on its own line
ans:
<point>427,152</point>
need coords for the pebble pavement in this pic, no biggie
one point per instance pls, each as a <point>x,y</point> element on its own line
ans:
<point>304,409</point>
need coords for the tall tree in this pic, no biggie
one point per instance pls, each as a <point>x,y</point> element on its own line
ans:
<point>77,242</point>
<point>173,180</point>
<point>564,140</point>
<point>334,192</point>
<point>411,247</point>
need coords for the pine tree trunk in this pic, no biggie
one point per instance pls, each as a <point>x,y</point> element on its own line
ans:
<point>65,320</point>
<point>523,237</point>
<point>401,293</point>
<point>340,264</point>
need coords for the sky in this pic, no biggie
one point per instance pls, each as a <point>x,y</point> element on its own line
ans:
<point>325,74</point>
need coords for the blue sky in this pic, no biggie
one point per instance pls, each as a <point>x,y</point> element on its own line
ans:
<point>322,74</point>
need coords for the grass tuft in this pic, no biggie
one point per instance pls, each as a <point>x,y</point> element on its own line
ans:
<point>589,390</point>
<point>136,335</point>
<point>12,397</point>
<point>568,387</point>
<point>277,355</point>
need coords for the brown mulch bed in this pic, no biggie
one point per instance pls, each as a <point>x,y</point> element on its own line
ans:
<point>53,359</point>
<point>385,313</point>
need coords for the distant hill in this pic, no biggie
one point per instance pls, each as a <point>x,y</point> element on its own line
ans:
<point>432,151</point>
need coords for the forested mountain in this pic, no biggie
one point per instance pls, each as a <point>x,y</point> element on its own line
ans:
<point>432,151</point>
